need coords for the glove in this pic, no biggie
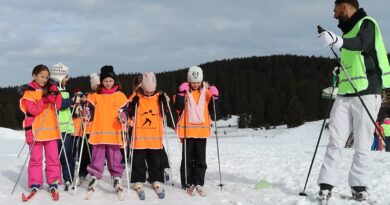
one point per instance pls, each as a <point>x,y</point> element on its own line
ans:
<point>184,87</point>
<point>328,38</point>
<point>29,137</point>
<point>122,117</point>
<point>336,71</point>
<point>49,99</point>
<point>214,91</point>
<point>163,98</point>
<point>86,114</point>
<point>53,89</point>
<point>78,110</point>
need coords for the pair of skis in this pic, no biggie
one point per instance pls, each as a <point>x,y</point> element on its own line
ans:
<point>159,191</point>
<point>54,194</point>
<point>192,190</point>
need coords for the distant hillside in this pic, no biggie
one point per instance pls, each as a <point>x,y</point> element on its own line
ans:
<point>263,91</point>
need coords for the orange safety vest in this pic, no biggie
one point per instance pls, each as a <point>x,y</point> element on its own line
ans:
<point>186,129</point>
<point>45,126</point>
<point>148,133</point>
<point>106,128</point>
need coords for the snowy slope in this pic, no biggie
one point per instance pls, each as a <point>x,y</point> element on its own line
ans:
<point>281,157</point>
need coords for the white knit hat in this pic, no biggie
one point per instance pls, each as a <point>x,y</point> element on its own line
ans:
<point>149,82</point>
<point>58,72</point>
<point>195,74</point>
<point>95,80</point>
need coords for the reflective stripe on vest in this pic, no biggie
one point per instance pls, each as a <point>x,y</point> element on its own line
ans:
<point>106,133</point>
<point>353,62</point>
<point>194,127</point>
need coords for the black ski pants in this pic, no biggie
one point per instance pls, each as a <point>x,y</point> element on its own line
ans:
<point>196,162</point>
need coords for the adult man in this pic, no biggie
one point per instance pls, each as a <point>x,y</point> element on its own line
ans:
<point>364,57</point>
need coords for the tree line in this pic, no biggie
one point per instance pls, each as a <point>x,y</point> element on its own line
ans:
<point>264,91</point>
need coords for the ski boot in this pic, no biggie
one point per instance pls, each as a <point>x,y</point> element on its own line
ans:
<point>159,190</point>
<point>201,190</point>
<point>93,183</point>
<point>67,185</point>
<point>35,187</point>
<point>325,193</point>
<point>190,189</point>
<point>360,193</point>
<point>53,189</point>
<point>116,183</point>
<point>140,190</point>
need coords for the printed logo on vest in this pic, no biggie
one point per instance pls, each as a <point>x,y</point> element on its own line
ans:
<point>148,120</point>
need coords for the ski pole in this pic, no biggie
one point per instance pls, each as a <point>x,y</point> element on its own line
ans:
<point>125,143</point>
<point>319,138</point>
<point>67,130</point>
<point>132,141</point>
<point>29,152</point>
<point>216,137</point>
<point>173,121</point>
<point>320,30</point>
<point>166,141</point>
<point>63,144</point>
<point>185,142</point>
<point>21,150</point>
<point>80,157</point>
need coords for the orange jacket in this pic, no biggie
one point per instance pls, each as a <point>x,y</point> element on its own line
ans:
<point>185,129</point>
<point>149,130</point>
<point>106,128</point>
<point>45,124</point>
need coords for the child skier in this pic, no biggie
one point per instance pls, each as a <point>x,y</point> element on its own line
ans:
<point>194,103</point>
<point>59,75</point>
<point>85,157</point>
<point>42,131</point>
<point>377,143</point>
<point>147,139</point>
<point>104,108</point>
<point>137,81</point>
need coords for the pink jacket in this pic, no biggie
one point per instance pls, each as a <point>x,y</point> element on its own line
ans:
<point>34,109</point>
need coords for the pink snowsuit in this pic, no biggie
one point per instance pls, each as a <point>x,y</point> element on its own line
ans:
<point>53,165</point>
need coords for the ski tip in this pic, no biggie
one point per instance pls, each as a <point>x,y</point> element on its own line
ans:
<point>55,196</point>
<point>24,198</point>
<point>141,195</point>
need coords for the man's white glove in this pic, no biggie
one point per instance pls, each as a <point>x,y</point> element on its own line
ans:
<point>328,38</point>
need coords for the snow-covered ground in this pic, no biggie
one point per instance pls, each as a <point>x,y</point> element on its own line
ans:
<point>280,157</point>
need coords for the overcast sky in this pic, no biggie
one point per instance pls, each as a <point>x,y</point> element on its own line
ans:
<point>147,35</point>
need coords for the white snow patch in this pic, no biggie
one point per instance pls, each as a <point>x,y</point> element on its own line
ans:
<point>281,157</point>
